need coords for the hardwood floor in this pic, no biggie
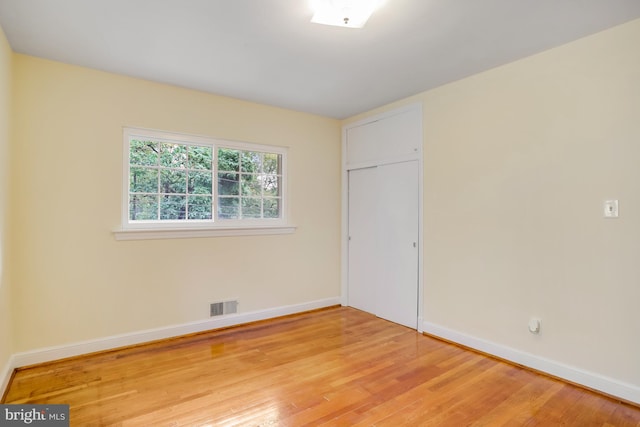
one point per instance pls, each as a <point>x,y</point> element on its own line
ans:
<point>335,367</point>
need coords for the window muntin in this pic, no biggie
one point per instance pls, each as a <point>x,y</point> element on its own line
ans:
<point>182,181</point>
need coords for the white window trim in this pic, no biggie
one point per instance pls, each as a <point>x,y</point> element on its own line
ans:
<point>180,229</point>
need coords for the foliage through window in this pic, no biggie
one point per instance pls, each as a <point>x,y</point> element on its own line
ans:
<point>193,180</point>
<point>248,184</point>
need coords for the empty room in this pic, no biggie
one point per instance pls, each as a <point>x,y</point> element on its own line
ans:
<point>320,212</point>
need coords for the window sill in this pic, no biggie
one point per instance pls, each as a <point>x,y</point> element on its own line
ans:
<point>183,233</point>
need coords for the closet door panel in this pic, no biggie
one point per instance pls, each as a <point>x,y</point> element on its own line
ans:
<point>363,249</point>
<point>397,242</point>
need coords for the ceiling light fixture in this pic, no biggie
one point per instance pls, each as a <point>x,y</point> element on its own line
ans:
<point>343,13</point>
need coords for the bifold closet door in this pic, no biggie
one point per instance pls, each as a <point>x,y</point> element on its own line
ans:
<point>383,241</point>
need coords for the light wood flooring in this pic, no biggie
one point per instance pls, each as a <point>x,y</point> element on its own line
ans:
<point>334,367</point>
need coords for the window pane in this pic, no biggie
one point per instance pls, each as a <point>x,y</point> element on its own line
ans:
<point>228,160</point>
<point>143,153</point>
<point>173,155</point>
<point>251,162</point>
<point>250,185</point>
<point>228,184</point>
<point>200,207</point>
<point>143,180</point>
<point>251,207</point>
<point>200,182</point>
<point>173,207</point>
<point>143,207</point>
<point>270,185</point>
<point>271,208</point>
<point>200,157</point>
<point>271,163</point>
<point>228,207</point>
<point>173,181</point>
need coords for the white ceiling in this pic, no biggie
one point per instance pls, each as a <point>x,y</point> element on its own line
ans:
<point>268,51</point>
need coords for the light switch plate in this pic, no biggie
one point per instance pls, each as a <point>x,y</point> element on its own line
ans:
<point>611,209</point>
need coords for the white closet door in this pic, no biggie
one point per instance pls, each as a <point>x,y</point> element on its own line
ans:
<point>397,231</point>
<point>397,136</point>
<point>383,237</point>
<point>362,239</point>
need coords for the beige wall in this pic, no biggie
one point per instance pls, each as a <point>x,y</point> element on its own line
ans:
<point>518,161</point>
<point>6,333</point>
<point>75,282</point>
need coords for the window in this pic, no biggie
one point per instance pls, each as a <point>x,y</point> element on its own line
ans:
<point>183,182</point>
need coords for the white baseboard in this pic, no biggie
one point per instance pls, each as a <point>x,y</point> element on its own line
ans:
<point>5,375</point>
<point>610,386</point>
<point>107,343</point>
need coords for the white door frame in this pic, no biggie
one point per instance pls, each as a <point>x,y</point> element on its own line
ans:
<point>345,202</point>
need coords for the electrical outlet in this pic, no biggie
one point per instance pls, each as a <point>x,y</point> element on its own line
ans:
<point>534,325</point>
